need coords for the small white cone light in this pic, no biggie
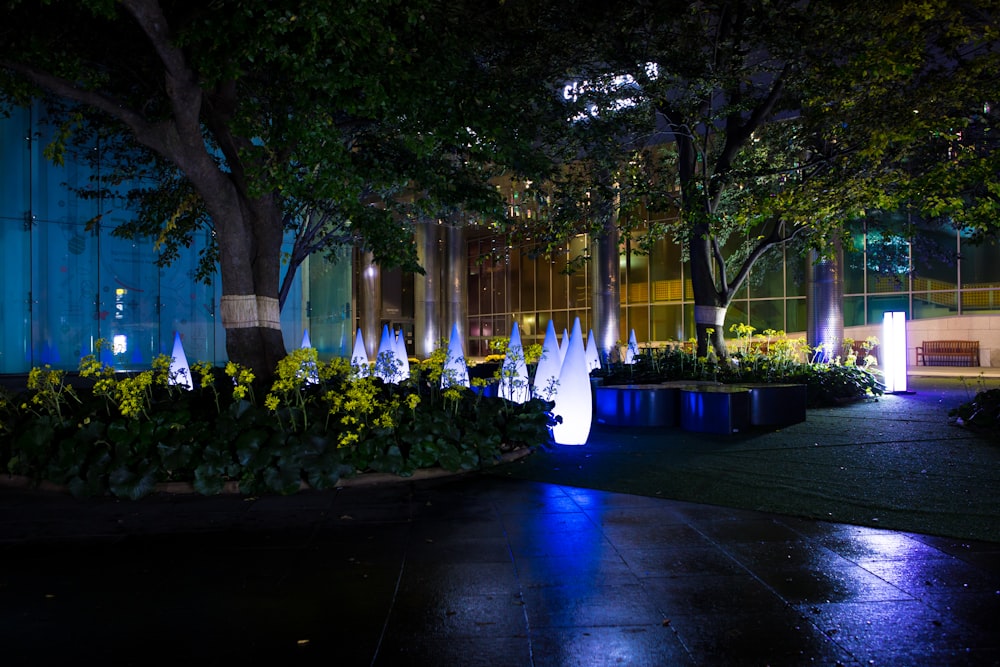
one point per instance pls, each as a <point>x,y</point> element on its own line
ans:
<point>563,344</point>
<point>179,373</point>
<point>573,400</point>
<point>385,359</point>
<point>590,352</point>
<point>401,357</point>
<point>305,340</point>
<point>359,358</point>
<point>549,365</point>
<point>456,372</point>
<point>514,372</point>
<point>632,349</point>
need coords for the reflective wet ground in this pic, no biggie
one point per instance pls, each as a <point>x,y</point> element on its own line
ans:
<point>478,570</point>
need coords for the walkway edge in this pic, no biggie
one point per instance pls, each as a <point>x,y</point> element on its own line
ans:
<point>360,480</point>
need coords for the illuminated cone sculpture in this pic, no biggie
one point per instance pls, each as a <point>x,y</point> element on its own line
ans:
<point>632,349</point>
<point>180,372</point>
<point>359,358</point>
<point>401,357</point>
<point>386,365</point>
<point>456,372</point>
<point>590,352</point>
<point>549,365</point>
<point>514,372</point>
<point>573,395</point>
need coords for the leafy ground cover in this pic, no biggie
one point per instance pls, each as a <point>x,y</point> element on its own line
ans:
<point>317,423</point>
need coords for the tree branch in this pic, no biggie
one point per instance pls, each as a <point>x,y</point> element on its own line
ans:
<point>181,83</point>
<point>143,130</point>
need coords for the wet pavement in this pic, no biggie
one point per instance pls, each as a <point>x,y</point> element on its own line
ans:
<point>479,570</point>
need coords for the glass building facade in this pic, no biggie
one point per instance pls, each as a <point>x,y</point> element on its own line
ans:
<point>66,285</point>
<point>940,274</point>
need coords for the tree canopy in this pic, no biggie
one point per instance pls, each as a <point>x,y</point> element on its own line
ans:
<point>344,122</point>
<point>341,121</point>
<point>772,120</point>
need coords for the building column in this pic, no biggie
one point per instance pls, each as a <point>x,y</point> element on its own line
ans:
<point>370,302</point>
<point>427,290</point>
<point>456,296</point>
<point>606,291</point>
<point>824,304</point>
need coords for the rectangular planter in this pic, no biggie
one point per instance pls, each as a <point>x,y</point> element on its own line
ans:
<point>715,409</point>
<point>636,405</point>
<point>777,404</point>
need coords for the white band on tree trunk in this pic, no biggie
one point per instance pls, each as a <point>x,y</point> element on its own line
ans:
<point>244,311</point>
<point>710,315</point>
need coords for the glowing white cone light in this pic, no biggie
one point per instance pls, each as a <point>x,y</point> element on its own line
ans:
<point>894,351</point>
<point>359,357</point>
<point>549,365</point>
<point>563,344</point>
<point>573,400</point>
<point>305,340</point>
<point>514,372</point>
<point>590,352</point>
<point>180,372</point>
<point>385,360</point>
<point>632,349</point>
<point>456,372</point>
<point>402,357</point>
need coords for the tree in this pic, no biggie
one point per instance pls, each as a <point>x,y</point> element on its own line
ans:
<point>782,119</point>
<point>334,119</point>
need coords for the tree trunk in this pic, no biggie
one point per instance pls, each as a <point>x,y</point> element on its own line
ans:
<point>709,308</point>
<point>249,237</point>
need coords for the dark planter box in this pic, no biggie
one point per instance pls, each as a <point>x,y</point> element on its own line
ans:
<point>714,409</point>
<point>636,405</point>
<point>777,404</point>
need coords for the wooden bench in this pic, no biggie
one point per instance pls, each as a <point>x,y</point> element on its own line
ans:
<point>948,353</point>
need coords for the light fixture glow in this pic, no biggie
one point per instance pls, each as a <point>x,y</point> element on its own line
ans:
<point>894,351</point>
<point>119,344</point>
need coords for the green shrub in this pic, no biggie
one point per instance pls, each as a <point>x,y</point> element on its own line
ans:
<point>317,423</point>
<point>769,358</point>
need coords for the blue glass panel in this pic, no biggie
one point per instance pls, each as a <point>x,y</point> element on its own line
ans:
<point>187,307</point>
<point>15,239</point>
<point>128,298</point>
<point>65,317</point>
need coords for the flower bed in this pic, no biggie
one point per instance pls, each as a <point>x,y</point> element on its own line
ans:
<point>771,358</point>
<point>318,423</point>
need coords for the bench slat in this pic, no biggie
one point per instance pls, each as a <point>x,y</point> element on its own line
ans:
<point>948,352</point>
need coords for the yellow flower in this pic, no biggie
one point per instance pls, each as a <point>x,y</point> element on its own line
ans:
<point>271,402</point>
<point>412,401</point>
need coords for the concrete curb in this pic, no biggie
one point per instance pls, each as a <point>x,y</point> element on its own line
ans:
<point>360,480</point>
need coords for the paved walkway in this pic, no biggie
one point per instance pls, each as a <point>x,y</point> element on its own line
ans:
<point>479,570</point>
